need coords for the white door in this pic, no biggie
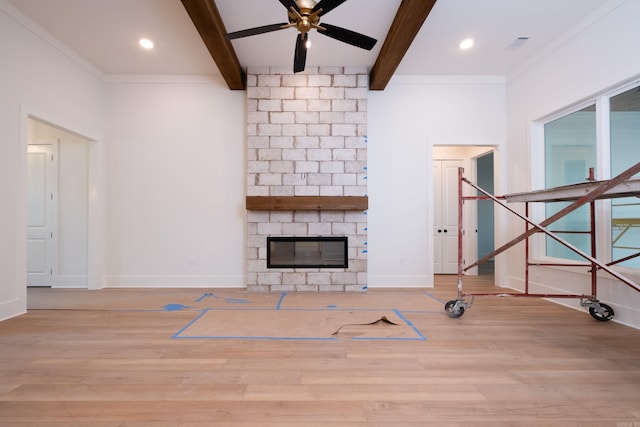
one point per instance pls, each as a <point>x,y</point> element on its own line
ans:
<point>445,216</point>
<point>41,213</point>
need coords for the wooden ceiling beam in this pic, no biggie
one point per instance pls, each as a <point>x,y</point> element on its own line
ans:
<point>406,25</point>
<point>410,17</point>
<point>207,20</point>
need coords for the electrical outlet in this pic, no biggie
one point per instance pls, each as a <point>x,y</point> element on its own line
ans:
<point>191,260</point>
<point>403,261</point>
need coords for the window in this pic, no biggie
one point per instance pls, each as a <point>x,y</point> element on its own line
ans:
<point>571,149</point>
<point>624,119</point>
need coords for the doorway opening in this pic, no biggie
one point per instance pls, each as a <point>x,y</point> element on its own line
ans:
<point>58,207</point>
<point>478,230</point>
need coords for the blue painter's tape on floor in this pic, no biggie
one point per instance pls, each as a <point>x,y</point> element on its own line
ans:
<point>175,307</point>
<point>434,297</point>
<point>198,317</point>
<point>206,295</point>
<point>284,294</point>
<point>236,300</point>
<point>257,338</point>
<point>408,322</point>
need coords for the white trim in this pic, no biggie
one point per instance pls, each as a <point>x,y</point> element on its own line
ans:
<point>447,80</point>
<point>603,171</point>
<point>22,19</point>
<point>567,110</point>
<point>589,100</point>
<point>70,281</point>
<point>95,196</point>
<point>571,33</point>
<point>150,281</point>
<point>13,308</point>
<point>536,130</point>
<point>399,281</point>
<point>94,216</point>
<point>163,78</point>
<point>601,101</point>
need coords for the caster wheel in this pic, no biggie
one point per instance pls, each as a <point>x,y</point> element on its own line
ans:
<point>452,311</point>
<point>604,316</point>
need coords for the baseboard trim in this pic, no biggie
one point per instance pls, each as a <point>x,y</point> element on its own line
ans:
<point>399,281</point>
<point>175,281</point>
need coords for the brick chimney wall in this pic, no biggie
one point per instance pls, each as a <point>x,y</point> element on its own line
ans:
<point>306,136</point>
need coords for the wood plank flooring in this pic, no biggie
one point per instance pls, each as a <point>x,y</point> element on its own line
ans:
<point>506,362</point>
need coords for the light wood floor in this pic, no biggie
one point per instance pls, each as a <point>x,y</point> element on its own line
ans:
<point>506,362</point>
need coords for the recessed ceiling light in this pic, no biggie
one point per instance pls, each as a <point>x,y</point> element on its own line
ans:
<point>466,44</point>
<point>145,43</point>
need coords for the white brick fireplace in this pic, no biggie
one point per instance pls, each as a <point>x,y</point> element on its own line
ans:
<point>306,139</point>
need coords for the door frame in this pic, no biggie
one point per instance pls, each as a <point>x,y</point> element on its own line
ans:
<point>95,264</point>
<point>469,154</point>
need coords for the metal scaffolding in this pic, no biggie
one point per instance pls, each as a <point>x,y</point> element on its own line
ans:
<point>579,195</point>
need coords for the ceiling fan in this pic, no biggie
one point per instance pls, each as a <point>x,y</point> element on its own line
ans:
<point>304,15</point>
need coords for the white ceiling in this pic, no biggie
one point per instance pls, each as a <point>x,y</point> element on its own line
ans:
<point>105,32</point>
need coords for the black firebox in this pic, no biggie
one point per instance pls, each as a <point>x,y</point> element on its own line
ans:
<point>307,252</point>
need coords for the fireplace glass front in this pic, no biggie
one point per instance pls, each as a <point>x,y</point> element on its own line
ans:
<point>307,252</point>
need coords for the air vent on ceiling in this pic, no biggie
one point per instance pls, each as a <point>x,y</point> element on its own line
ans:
<point>517,43</point>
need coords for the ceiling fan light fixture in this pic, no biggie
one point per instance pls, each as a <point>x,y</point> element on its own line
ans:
<point>305,4</point>
<point>307,44</point>
<point>466,44</point>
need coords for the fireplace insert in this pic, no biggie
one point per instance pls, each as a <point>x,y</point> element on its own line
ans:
<point>307,252</point>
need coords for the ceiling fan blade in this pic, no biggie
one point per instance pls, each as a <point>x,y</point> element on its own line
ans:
<point>348,36</point>
<point>327,5</point>
<point>289,4</point>
<point>300,56</point>
<point>254,31</point>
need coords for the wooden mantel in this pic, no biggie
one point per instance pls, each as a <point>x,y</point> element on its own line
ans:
<point>307,203</point>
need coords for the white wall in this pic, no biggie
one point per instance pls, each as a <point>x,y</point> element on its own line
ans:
<point>406,120</point>
<point>596,55</point>
<point>37,77</point>
<point>175,200</point>
<point>176,170</point>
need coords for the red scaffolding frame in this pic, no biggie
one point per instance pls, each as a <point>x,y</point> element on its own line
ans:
<point>579,195</point>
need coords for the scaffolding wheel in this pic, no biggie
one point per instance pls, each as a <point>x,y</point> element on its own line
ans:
<point>454,308</point>
<point>601,311</point>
